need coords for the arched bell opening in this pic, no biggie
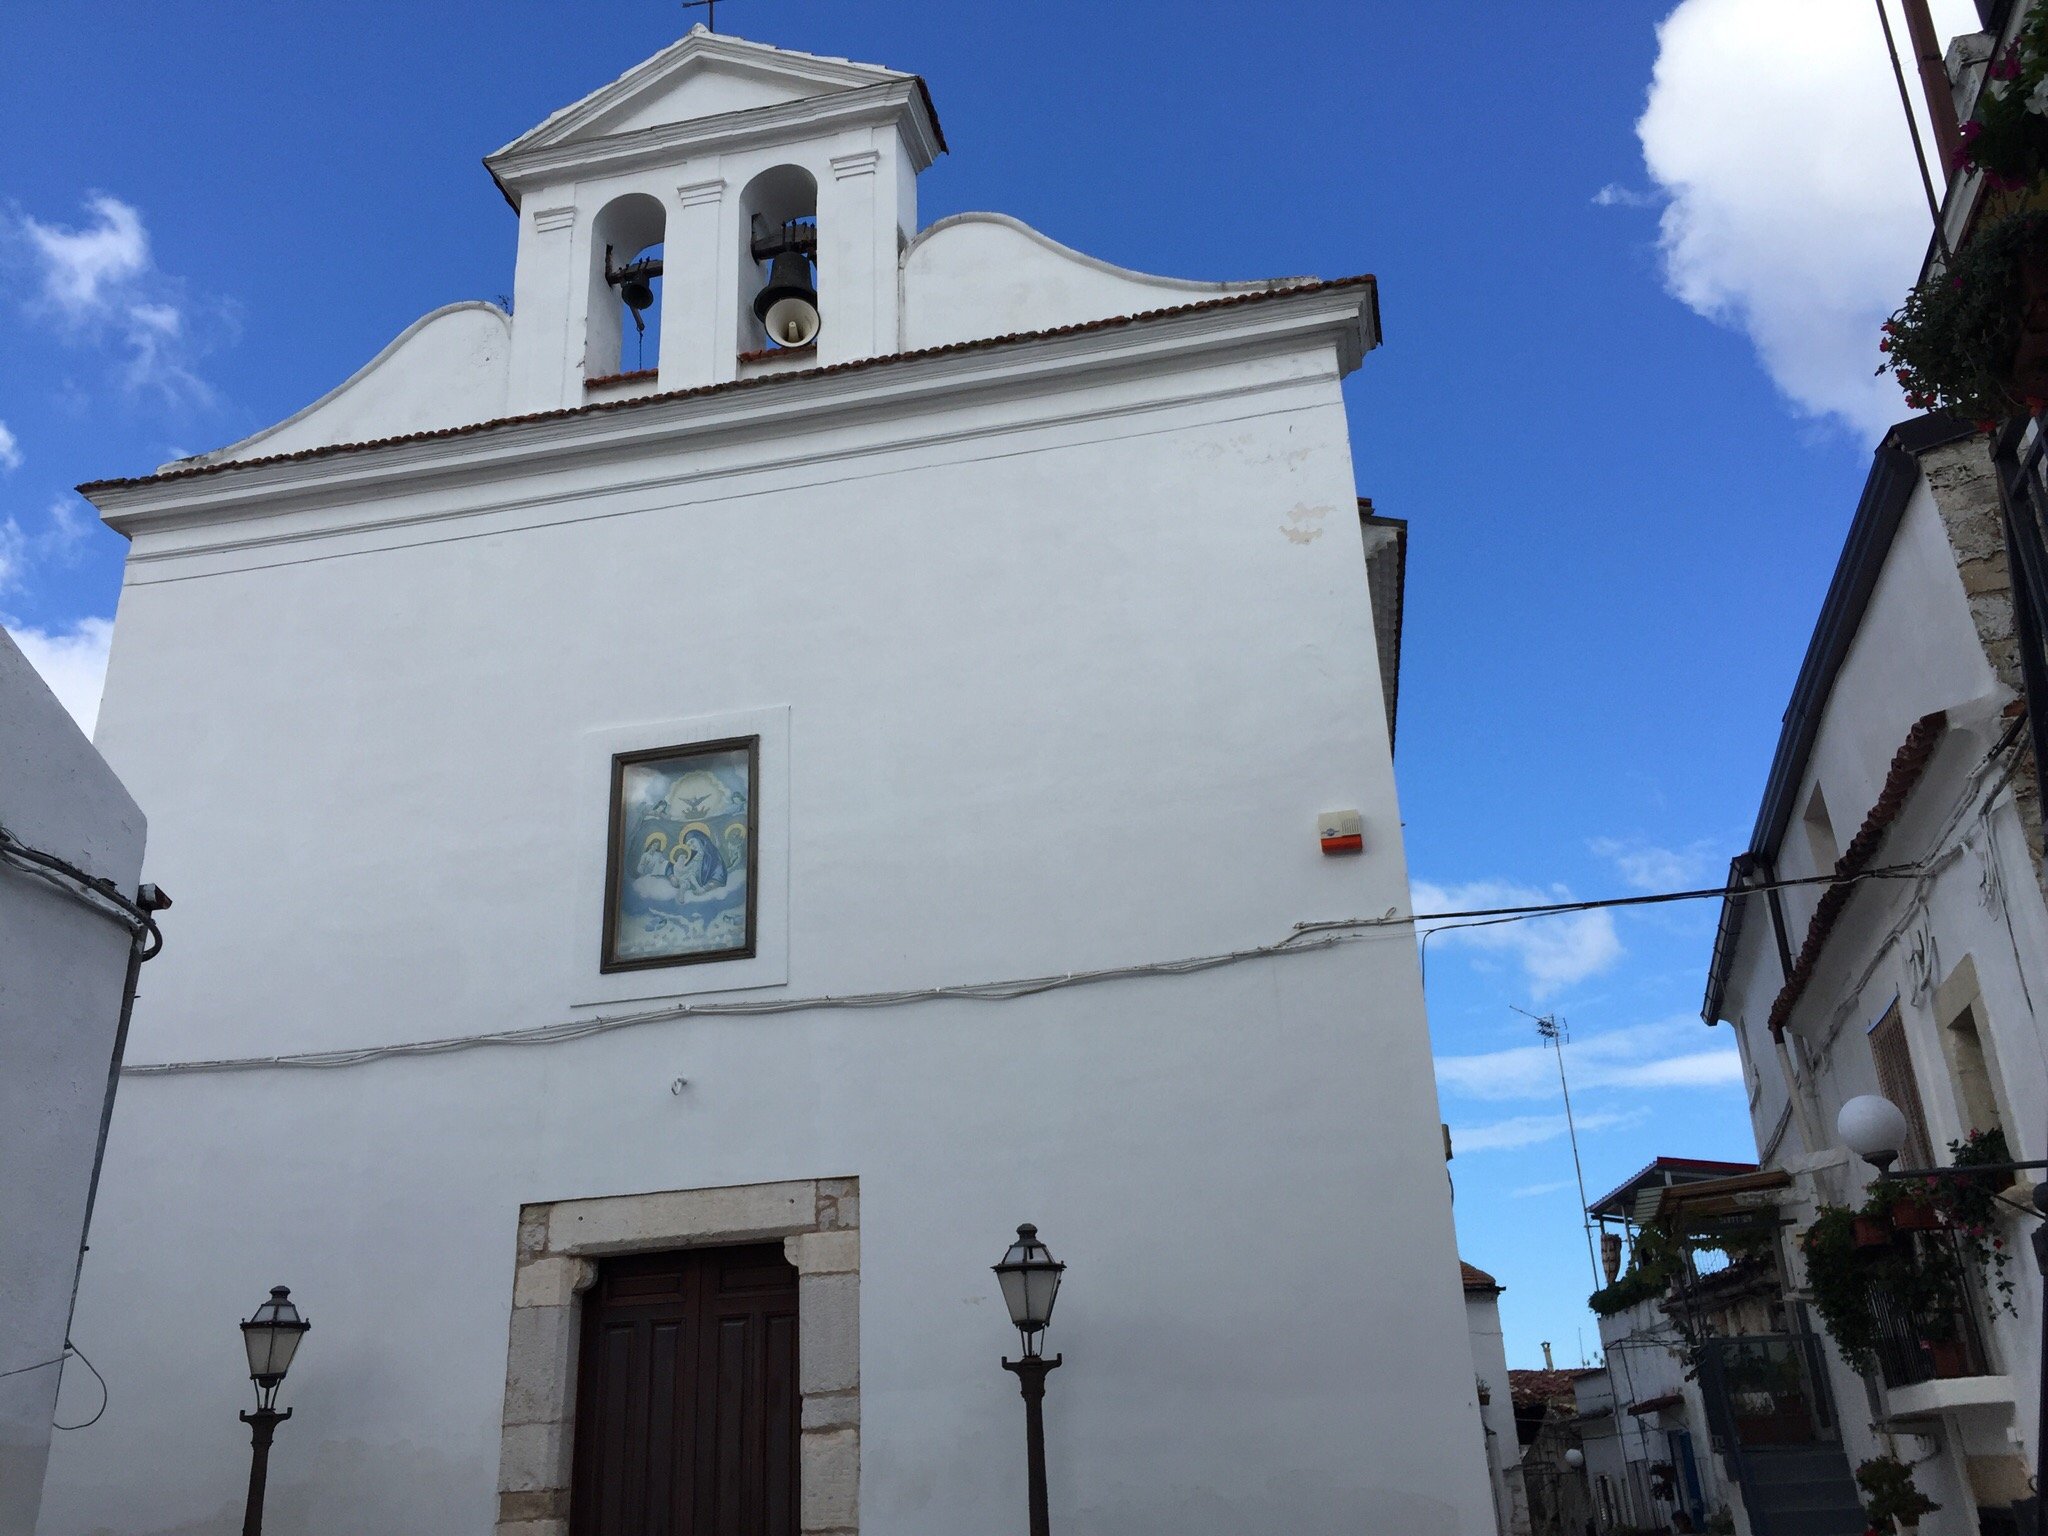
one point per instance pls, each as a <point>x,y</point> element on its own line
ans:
<point>780,308</point>
<point>624,326</point>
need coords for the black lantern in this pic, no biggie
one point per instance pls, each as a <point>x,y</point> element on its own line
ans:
<point>271,1338</point>
<point>1030,1278</point>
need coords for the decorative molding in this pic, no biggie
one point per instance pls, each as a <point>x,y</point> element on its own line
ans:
<point>547,220</point>
<point>862,162</point>
<point>691,194</point>
<point>898,104</point>
<point>806,74</point>
<point>560,1243</point>
<point>1054,366</point>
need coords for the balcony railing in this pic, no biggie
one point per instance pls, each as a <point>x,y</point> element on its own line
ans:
<point>1765,1389</point>
<point>1913,1347</point>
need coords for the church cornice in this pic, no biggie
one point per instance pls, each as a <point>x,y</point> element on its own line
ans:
<point>902,103</point>
<point>1341,313</point>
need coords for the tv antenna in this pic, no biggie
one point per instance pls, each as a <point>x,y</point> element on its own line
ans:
<point>708,7</point>
<point>1555,1032</point>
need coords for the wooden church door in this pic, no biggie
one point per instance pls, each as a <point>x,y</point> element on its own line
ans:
<point>687,1412</point>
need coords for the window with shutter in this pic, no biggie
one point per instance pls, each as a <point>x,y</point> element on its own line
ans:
<point>1896,1082</point>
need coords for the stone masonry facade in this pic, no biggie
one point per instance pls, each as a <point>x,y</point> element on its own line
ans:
<point>1964,483</point>
<point>818,1221</point>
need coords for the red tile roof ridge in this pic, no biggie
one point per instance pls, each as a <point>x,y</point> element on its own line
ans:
<point>1477,1279</point>
<point>594,407</point>
<point>1908,764</point>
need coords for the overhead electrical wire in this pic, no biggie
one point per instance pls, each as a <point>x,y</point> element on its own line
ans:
<point>1306,938</point>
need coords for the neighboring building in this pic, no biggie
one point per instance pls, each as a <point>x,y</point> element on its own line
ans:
<point>829,714</point>
<point>1667,1463</point>
<point>1496,1397</point>
<point>1904,750</point>
<point>1550,1478</point>
<point>68,957</point>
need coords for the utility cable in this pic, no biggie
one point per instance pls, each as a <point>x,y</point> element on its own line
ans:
<point>90,891</point>
<point>1306,938</point>
<point>105,1395</point>
<point>40,1365</point>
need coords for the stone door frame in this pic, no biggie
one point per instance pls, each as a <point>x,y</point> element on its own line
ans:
<point>560,1242</point>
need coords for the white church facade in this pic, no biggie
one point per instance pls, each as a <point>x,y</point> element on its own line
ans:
<point>675,862</point>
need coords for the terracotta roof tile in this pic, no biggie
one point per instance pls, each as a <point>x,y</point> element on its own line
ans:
<point>762,381</point>
<point>1908,763</point>
<point>1477,1279</point>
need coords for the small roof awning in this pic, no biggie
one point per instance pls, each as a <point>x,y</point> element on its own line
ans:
<point>1651,1405</point>
<point>1737,1196</point>
<point>1625,1200</point>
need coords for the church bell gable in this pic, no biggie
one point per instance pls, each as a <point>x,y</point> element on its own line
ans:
<point>701,129</point>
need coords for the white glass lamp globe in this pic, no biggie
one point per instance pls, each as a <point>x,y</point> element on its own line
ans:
<point>1872,1127</point>
<point>1575,1458</point>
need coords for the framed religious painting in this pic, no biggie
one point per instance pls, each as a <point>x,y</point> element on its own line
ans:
<point>679,874</point>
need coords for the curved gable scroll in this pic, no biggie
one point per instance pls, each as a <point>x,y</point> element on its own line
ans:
<point>446,369</point>
<point>978,275</point>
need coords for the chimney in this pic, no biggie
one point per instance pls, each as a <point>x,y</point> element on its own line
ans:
<point>1548,1363</point>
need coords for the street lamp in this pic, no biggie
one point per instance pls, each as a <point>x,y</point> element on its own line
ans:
<point>1030,1278</point>
<point>1874,1128</point>
<point>271,1338</point>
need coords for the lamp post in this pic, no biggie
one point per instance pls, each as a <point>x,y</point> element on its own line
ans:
<point>1030,1278</point>
<point>1874,1128</point>
<point>271,1337</point>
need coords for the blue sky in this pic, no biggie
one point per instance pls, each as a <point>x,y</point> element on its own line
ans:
<point>1625,397</point>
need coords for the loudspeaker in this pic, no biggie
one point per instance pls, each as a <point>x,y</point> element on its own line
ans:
<point>788,306</point>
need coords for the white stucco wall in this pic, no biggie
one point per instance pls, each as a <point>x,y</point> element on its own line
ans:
<point>1916,651</point>
<point>447,369</point>
<point>1069,671</point>
<point>63,971</point>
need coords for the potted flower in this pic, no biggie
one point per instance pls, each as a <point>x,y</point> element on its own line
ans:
<point>1971,1208</point>
<point>1890,1497</point>
<point>1972,339</point>
<point>1873,1227</point>
<point>2008,138</point>
<point>1908,1207</point>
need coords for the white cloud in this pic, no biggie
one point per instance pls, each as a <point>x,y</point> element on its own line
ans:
<point>1615,195</point>
<point>1648,867</point>
<point>1531,1191</point>
<point>73,662</point>
<point>1669,1054</point>
<point>1531,1130</point>
<point>100,280</point>
<point>87,272</point>
<point>65,529</point>
<point>10,448</point>
<point>1795,213</point>
<point>1553,952</point>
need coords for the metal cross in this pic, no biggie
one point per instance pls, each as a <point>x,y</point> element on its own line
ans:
<point>709,8</point>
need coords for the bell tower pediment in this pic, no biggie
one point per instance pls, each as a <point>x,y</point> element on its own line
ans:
<point>703,75</point>
<point>723,206</point>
